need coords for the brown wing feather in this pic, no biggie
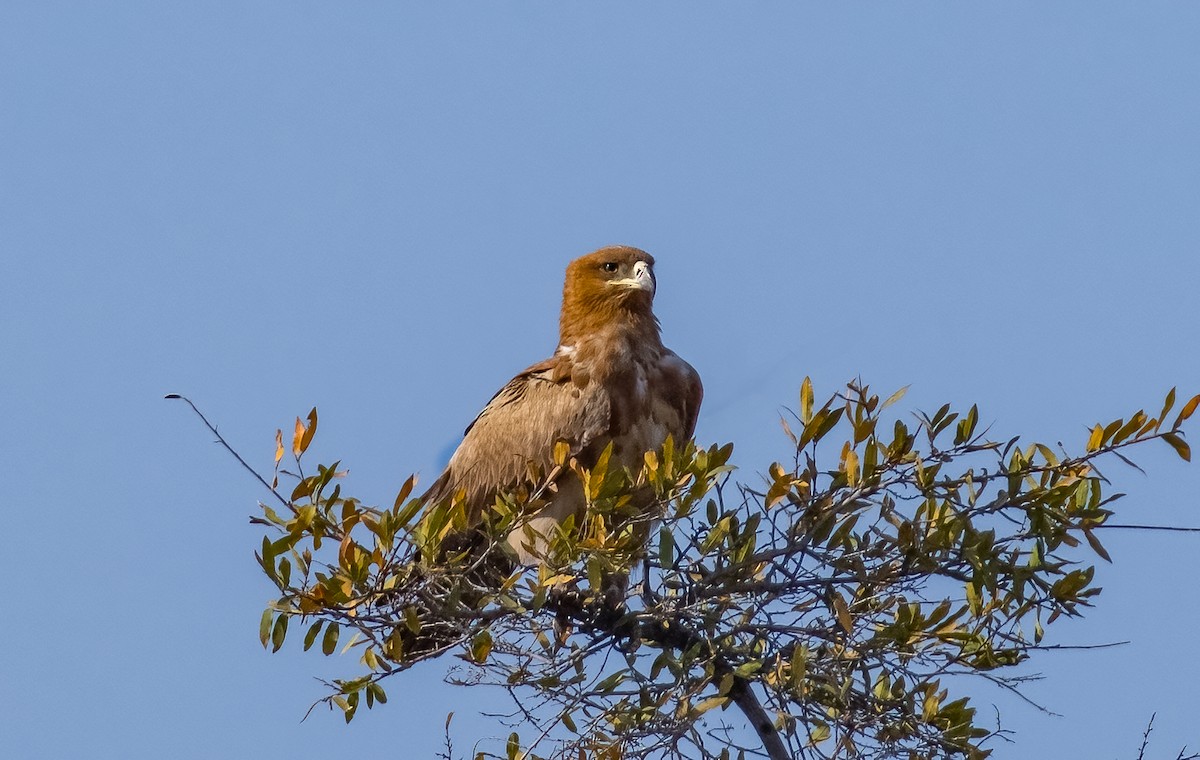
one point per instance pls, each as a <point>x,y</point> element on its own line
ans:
<point>693,395</point>
<point>521,424</point>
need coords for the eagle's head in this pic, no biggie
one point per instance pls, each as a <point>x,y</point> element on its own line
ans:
<point>613,284</point>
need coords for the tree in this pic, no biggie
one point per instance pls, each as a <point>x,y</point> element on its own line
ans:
<point>842,607</point>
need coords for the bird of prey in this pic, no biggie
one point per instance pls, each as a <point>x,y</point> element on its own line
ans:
<point>610,380</point>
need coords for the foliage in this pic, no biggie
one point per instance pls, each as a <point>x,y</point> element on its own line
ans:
<point>842,607</point>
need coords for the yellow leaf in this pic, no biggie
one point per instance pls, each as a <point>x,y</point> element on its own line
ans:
<point>651,459</point>
<point>806,401</point>
<point>894,397</point>
<point>481,647</point>
<point>1095,438</point>
<point>561,450</point>
<point>557,580</point>
<point>709,704</point>
<point>297,435</point>
<point>930,705</point>
<point>851,468</point>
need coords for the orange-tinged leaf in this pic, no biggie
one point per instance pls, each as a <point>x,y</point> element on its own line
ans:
<point>776,493</point>
<point>1167,404</point>
<point>297,435</point>
<point>843,613</point>
<point>1187,411</point>
<point>310,431</point>
<point>347,551</point>
<point>278,446</point>
<point>1181,447</point>
<point>405,490</point>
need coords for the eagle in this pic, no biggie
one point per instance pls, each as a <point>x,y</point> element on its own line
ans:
<point>610,381</point>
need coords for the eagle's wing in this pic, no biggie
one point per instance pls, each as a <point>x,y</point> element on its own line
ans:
<point>689,392</point>
<point>520,425</point>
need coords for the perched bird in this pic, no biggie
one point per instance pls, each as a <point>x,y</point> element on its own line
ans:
<point>610,380</point>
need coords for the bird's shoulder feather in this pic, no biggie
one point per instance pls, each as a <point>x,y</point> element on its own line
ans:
<point>543,404</point>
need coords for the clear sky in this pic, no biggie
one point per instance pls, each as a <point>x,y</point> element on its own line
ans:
<point>368,207</point>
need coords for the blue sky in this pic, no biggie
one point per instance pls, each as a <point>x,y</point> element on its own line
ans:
<point>367,207</point>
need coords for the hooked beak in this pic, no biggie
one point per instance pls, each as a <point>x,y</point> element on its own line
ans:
<point>643,278</point>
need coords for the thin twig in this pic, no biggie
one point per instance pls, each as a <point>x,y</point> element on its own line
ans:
<point>1052,647</point>
<point>1146,738</point>
<point>221,440</point>
<point>1166,528</point>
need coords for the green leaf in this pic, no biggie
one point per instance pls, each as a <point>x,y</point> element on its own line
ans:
<point>264,626</point>
<point>666,547</point>
<point>330,639</point>
<point>818,733</point>
<point>411,620</point>
<point>304,488</point>
<point>481,647</point>
<point>610,683</point>
<point>405,515</point>
<point>1096,545</point>
<point>279,632</point>
<point>311,635</point>
<point>966,426</point>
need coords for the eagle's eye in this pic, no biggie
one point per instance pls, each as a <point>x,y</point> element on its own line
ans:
<point>609,266</point>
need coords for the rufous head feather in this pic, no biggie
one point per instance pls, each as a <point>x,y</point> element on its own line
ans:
<point>611,287</point>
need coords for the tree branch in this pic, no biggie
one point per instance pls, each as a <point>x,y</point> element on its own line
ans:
<point>677,636</point>
<point>221,440</point>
